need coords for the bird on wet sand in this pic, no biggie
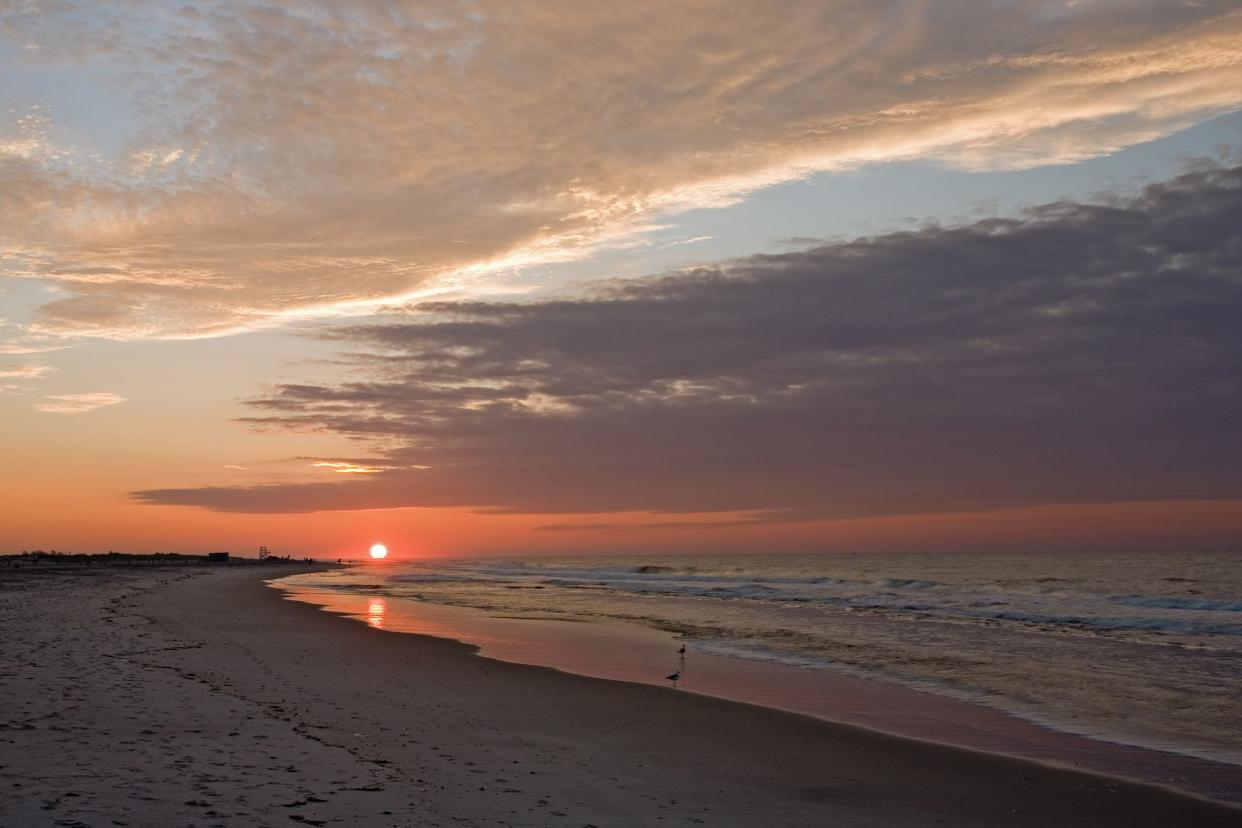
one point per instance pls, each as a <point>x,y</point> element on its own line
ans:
<point>674,677</point>
<point>682,651</point>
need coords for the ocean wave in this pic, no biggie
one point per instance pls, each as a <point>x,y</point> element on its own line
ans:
<point>430,578</point>
<point>1041,600</point>
<point>734,648</point>
<point>1149,624</point>
<point>1173,602</point>
<point>907,583</point>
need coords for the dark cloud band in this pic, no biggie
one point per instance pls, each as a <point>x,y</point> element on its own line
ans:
<point>1080,353</point>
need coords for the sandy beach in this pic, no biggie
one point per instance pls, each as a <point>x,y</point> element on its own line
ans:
<point>199,697</point>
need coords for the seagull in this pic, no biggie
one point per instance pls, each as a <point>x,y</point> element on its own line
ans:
<point>673,678</point>
<point>683,649</point>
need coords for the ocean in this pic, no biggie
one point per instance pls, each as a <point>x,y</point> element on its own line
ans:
<point>1133,648</point>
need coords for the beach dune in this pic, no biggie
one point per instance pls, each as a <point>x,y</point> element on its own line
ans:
<point>178,697</point>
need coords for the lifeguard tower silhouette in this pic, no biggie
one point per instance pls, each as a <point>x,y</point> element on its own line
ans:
<point>263,553</point>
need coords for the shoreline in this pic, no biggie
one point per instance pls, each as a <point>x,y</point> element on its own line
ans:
<point>633,652</point>
<point>207,697</point>
<point>1074,645</point>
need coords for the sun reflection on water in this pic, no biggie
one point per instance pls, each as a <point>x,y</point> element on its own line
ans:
<point>375,612</point>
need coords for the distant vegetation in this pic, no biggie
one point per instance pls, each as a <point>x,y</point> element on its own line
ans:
<point>53,558</point>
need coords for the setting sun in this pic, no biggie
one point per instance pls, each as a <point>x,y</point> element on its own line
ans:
<point>379,551</point>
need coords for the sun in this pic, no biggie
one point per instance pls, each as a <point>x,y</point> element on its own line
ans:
<point>379,551</point>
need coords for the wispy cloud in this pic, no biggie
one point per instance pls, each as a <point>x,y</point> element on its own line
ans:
<point>346,468</point>
<point>23,371</point>
<point>78,403</point>
<point>308,158</point>
<point>1079,353</point>
<point>17,349</point>
<point>693,240</point>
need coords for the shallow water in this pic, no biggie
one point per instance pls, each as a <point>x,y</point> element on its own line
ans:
<point>1138,649</point>
<point>631,652</point>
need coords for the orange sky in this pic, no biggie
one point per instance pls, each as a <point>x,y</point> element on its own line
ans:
<point>39,517</point>
<point>690,279</point>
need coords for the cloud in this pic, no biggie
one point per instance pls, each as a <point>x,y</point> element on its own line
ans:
<point>23,371</point>
<point>342,467</point>
<point>1079,353</point>
<point>78,403</point>
<point>22,348</point>
<point>285,160</point>
<point>656,525</point>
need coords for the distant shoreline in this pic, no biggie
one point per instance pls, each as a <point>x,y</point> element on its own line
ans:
<point>39,559</point>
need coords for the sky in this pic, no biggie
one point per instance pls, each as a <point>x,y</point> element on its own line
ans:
<point>475,278</point>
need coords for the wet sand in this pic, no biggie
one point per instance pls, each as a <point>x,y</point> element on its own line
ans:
<point>203,698</point>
